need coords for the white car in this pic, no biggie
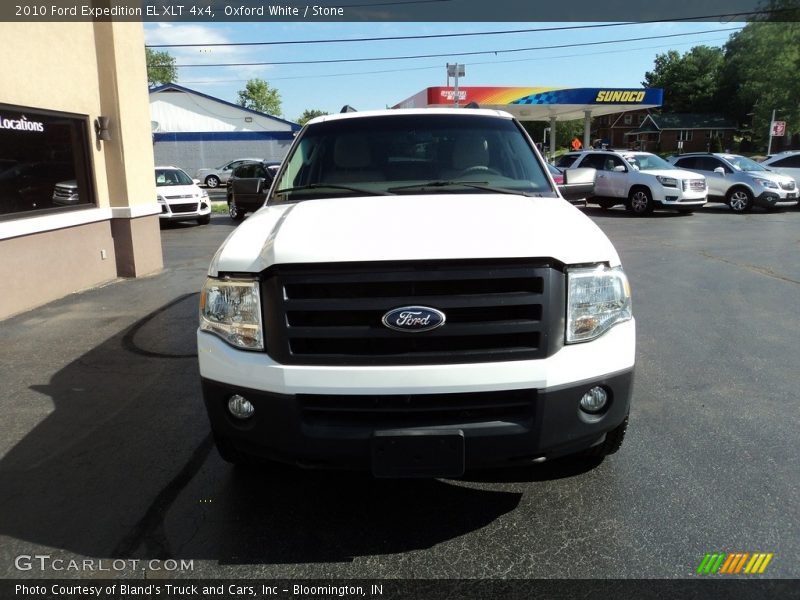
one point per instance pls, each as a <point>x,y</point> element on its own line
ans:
<point>216,176</point>
<point>787,163</point>
<point>180,197</point>
<point>640,180</point>
<point>416,299</point>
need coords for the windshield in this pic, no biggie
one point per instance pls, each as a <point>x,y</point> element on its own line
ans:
<point>166,177</point>
<point>648,162</point>
<point>411,154</point>
<point>744,164</point>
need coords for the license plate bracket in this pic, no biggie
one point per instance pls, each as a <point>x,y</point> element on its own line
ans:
<point>418,453</point>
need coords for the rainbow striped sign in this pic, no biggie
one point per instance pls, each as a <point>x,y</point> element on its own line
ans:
<point>734,563</point>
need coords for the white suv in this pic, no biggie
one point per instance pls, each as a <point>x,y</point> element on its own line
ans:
<point>786,163</point>
<point>180,198</point>
<point>739,182</point>
<point>640,180</point>
<point>416,298</point>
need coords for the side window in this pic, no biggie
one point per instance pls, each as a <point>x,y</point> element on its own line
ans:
<point>714,163</point>
<point>244,171</point>
<point>595,161</point>
<point>790,162</point>
<point>259,171</point>
<point>687,163</point>
<point>614,161</point>
<point>566,161</point>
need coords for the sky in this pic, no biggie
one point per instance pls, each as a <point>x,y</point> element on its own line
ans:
<point>376,84</point>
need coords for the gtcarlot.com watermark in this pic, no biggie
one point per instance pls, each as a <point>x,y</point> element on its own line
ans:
<point>45,562</point>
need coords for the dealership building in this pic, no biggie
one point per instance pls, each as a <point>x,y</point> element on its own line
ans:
<point>74,111</point>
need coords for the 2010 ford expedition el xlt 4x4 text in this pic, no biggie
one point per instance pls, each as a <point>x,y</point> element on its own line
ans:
<point>415,299</point>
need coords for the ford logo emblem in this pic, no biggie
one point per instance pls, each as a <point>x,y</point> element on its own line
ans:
<point>413,319</point>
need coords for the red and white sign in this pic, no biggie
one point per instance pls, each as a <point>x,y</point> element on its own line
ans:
<point>778,128</point>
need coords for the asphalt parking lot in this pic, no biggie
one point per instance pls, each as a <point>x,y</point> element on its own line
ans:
<point>105,449</point>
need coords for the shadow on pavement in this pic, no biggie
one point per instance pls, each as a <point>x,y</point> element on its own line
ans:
<point>120,467</point>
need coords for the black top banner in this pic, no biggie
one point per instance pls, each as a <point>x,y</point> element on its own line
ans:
<point>397,10</point>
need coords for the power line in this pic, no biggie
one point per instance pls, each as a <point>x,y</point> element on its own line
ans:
<point>439,66</point>
<point>464,34</point>
<point>451,54</point>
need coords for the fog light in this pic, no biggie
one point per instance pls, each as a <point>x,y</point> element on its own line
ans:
<point>240,407</point>
<point>594,400</point>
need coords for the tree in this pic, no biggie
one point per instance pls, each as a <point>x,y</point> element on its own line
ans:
<point>258,95</point>
<point>691,82</point>
<point>759,76</point>
<point>161,68</point>
<point>309,114</point>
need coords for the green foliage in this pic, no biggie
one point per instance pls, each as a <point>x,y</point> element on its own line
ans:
<point>309,114</point>
<point>760,75</point>
<point>690,81</point>
<point>258,95</point>
<point>161,68</point>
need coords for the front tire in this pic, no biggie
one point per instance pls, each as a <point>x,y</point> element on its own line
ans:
<point>612,443</point>
<point>234,212</point>
<point>740,200</point>
<point>640,202</point>
<point>212,181</point>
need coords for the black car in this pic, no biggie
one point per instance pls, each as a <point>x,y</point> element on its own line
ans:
<point>248,187</point>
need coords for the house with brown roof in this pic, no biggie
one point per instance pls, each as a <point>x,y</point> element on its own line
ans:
<point>682,132</point>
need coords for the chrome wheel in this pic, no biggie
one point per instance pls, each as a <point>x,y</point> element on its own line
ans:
<point>640,202</point>
<point>234,212</point>
<point>212,181</point>
<point>740,200</point>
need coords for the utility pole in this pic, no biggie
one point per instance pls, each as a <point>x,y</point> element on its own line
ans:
<point>769,144</point>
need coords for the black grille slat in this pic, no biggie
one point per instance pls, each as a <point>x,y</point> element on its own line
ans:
<point>471,407</point>
<point>183,208</point>
<point>332,314</point>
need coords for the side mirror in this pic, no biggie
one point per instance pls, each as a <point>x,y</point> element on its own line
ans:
<point>196,181</point>
<point>720,170</point>
<point>578,183</point>
<point>620,169</point>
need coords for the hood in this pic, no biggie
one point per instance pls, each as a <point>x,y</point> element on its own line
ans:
<point>675,173</point>
<point>176,192</point>
<point>771,175</point>
<point>399,228</point>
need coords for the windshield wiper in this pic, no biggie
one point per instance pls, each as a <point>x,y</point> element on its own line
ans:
<point>478,185</point>
<point>334,186</point>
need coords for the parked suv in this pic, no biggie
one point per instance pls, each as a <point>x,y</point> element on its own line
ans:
<point>416,299</point>
<point>213,177</point>
<point>248,187</point>
<point>180,198</point>
<point>640,180</point>
<point>738,181</point>
<point>786,163</point>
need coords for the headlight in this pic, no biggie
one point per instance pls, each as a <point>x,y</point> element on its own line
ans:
<point>203,193</point>
<point>231,309</point>
<point>667,181</point>
<point>766,183</point>
<point>597,299</point>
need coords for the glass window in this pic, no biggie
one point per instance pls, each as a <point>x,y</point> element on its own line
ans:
<point>44,162</point>
<point>685,135</point>
<point>399,154</point>
<point>628,119</point>
<point>170,177</point>
<point>566,161</point>
<point>790,162</point>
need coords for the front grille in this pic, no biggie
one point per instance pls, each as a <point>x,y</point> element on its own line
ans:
<point>695,185</point>
<point>183,208</point>
<point>418,410</point>
<point>180,197</point>
<point>62,192</point>
<point>331,314</point>
<point>788,185</point>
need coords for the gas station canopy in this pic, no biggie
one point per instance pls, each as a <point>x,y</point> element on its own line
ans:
<point>541,103</point>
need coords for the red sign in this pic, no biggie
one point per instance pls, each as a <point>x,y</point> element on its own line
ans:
<point>778,128</point>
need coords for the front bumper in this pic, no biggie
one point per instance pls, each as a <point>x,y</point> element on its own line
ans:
<point>776,199</point>
<point>327,417</point>
<point>335,432</point>
<point>172,212</point>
